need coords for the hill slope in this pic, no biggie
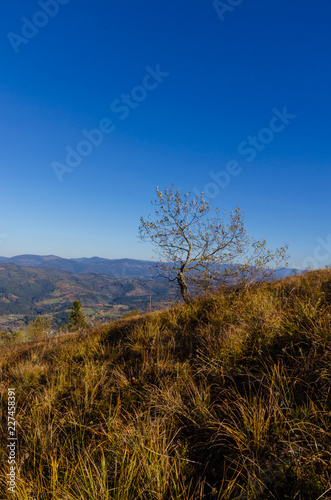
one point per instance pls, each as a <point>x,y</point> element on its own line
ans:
<point>227,398</point>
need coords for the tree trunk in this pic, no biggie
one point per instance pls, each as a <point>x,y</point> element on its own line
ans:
<point>183,288</point>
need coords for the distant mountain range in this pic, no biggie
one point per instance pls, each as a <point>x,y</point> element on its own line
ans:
<point>119,268</point>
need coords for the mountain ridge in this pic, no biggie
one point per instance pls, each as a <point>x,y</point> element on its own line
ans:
<point>120,268</point>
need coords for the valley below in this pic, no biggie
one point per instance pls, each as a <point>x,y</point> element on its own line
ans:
<point>27,292</point>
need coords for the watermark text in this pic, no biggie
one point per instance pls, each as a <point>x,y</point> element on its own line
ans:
<point>12,441</point>
<point>30,27</point>
<point>123,106</point>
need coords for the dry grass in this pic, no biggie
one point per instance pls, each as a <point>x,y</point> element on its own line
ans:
<point>225,398</point>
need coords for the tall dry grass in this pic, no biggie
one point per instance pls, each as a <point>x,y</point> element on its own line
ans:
<point>225,398</point>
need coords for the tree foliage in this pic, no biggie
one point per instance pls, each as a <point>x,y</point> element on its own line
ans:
<point>39,328</point>
<point>200,251</point>
<point>76,317</point>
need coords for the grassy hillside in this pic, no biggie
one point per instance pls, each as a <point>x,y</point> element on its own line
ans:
<point>226,398</point>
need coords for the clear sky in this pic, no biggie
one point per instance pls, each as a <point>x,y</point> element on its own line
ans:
<point>231,98</point>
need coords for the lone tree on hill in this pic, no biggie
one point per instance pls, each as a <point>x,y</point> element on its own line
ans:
<point>205,251</point>
<point>76,317</point>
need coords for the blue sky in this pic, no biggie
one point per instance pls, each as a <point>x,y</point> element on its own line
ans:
<point>183,90</point>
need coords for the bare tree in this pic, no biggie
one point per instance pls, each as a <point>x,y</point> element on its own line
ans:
<point>201,250</point>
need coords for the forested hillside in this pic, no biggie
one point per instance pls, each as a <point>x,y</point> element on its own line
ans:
<point>26,292</point>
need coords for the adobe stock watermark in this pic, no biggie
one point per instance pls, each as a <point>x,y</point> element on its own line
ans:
<point>225,6</point>
<point>122,107</point>
<point>249,148</point>
<point>321,255</point>
<point>31,27</point>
